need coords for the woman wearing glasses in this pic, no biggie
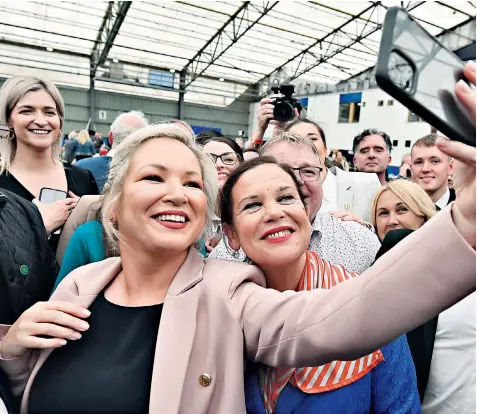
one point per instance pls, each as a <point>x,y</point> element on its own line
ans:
<point>227,156</point>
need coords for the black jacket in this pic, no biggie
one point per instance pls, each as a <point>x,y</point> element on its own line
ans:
<point>420,340</point>
<point>28,267</point>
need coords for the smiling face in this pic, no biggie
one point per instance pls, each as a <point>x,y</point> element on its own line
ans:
<point>372,155</point>
<point>270,223</point>
<point>392,214</point>
<point>163,206</point>
<point>431,169</point>
<point>35,120</point>
<point>218,149</point>
<point>298,156</point>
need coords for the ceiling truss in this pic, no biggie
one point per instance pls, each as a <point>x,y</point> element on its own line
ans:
<point>229,34</point>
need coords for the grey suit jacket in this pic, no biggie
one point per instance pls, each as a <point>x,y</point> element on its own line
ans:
<point>356,191</point>
<point>215,312</point>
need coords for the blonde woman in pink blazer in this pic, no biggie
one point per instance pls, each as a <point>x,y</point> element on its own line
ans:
<point>161,330</point>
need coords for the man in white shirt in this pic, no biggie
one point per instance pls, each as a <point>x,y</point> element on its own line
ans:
<point>431,169</point>
<point>344,243</point>
<point>451,385</point>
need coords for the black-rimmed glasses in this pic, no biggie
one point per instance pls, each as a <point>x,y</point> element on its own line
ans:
<point>229,158</point>
<point>309,174</point>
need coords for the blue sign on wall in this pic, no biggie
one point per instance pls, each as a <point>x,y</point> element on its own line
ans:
<point>350,97</point>
<point>198,129</point>
<point>304,102</point>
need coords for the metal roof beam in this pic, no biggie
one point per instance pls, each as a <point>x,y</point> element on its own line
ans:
<point>112,21</point>
<point>296,66</point>
<point>456,10</point>
<point>42,48</point>
<point>233,29</point>
<point>453,38</point>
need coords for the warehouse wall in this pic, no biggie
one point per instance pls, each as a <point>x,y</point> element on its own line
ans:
<point>109,105</point>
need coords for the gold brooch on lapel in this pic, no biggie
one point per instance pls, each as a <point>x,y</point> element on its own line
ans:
<point>347,206</point>
<point>205,380</point>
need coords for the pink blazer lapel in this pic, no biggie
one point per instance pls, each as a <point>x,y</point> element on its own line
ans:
<point>176,337</point>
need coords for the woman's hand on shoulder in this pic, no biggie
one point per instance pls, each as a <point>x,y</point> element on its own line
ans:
<point>44,325</point>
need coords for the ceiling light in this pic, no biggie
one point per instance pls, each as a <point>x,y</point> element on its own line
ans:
<point>50,49</point>
<point>221,79</point>
<point>115,60</point>
<point>172,70</point>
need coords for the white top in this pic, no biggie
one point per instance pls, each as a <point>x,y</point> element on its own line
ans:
<point>330,193</point>
<point>451,386</point>
<point>444,200</point>
<point>339,242</point>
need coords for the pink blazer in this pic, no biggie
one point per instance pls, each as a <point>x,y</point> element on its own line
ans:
<point>217,312</point>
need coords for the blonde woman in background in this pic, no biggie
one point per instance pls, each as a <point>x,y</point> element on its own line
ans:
<point>401,204</point>
<point>84,147</point>
<point>33,109</point>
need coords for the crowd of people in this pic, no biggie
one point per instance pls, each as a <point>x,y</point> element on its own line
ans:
<point>187,274</point>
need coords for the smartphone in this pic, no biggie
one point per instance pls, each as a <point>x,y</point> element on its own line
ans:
<point>418,71</point>
<point>50,195</point>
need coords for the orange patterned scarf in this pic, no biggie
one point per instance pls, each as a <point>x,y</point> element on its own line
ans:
<point>317,274</point>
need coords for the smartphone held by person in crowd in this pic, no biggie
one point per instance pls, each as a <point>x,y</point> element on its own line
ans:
<point>50,195</point>
<point>417,70</point>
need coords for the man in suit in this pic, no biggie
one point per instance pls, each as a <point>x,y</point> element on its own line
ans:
<point>123,125</point>
<point>431,170</point>
<point>372,153</point>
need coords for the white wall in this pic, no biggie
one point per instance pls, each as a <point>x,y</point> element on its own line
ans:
<point>393,120</point>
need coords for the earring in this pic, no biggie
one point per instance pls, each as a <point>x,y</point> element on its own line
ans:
<point>11,134</point>
<point>234,253</point>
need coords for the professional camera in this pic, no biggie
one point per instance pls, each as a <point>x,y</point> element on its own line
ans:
<point>285,104</point>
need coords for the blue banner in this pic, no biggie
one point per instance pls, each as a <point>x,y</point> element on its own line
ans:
<point>350,97</point>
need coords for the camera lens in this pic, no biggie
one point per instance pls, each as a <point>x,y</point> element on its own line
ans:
<point>283,112</point>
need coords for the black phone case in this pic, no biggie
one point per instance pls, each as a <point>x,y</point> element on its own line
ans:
<point>458,126</point>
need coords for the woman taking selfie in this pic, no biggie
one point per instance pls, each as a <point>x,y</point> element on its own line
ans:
<point>33,110</point>
<point>267,218</point>
<point>194,320</point>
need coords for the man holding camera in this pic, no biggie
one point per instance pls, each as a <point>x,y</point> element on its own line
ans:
<point>266,118</point>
